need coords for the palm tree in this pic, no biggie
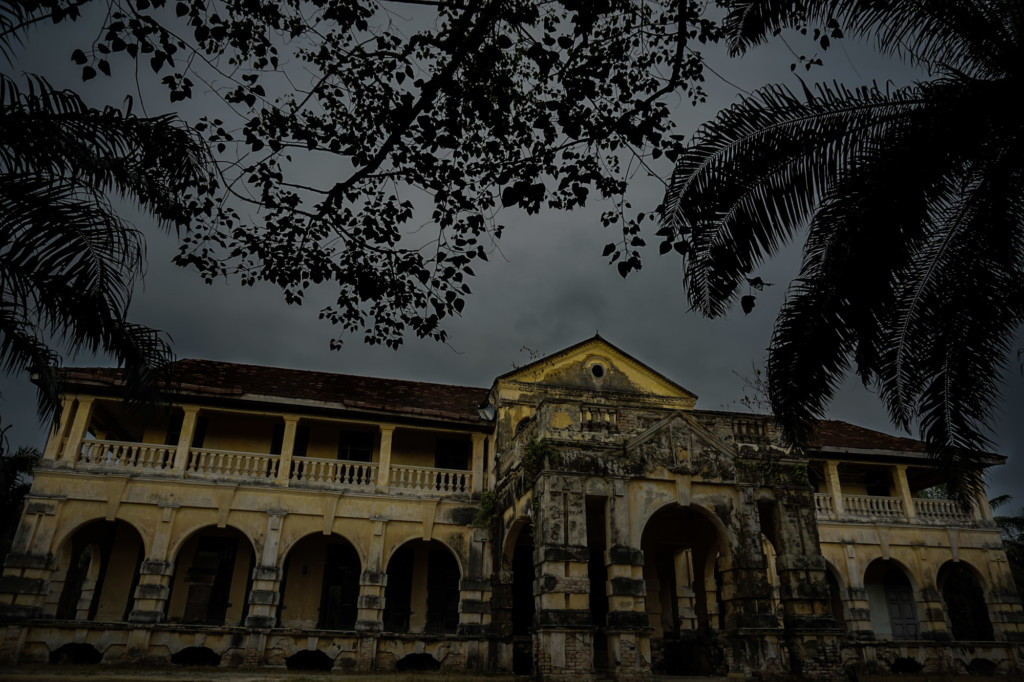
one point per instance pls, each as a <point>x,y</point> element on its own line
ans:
<point>913,201</point>
<point>68,259</point>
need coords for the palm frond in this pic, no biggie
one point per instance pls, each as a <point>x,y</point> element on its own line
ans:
<point>752,177</point>
<point>970,36</point>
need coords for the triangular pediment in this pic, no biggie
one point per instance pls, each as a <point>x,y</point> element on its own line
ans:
<point>595,365</point>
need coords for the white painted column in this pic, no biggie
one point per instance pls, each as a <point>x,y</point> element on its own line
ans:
<point>78,429</point>
<point>58,430</point>
<point>387,431</point>
<point>899,475</point>
<point>188,429</point>
<point>478,462</point>
<point>284,468</point>
<point>833,487</point>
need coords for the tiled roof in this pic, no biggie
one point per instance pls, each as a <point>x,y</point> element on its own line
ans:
<point>224,379</point>
<point>837,434</point>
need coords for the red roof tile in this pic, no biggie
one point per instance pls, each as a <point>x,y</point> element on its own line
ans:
<point>831,433</point>
<point>221,379</point>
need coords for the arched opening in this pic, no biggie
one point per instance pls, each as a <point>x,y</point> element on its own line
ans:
<point>518,559</point>
<point>965,603</point>
<point>681,547</point>
<point>835,596</point>
<point>331,562</point>
<point>422,594</point>
<point>771,557</point>
<point>212,573</point>
<point>102,572</point>
<point>891,601</point>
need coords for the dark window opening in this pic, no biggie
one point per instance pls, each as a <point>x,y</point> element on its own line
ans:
<point>209,580</point>
<point>301,440</point>
<point>452,453</point>
<point>442,592</point>
<point>965,604</point>
<point>355,446</point>
<point>877,483</point>
<point>597,371</point>
<point>174,430</point>
<point>398,593</point>
<point>338,601</point>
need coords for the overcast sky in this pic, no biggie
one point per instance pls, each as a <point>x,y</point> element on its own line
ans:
<point>546,287</point>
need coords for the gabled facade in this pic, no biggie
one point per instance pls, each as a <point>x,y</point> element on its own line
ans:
<point>578,519</point>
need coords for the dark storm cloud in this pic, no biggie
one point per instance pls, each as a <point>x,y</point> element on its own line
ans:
<point>545,288</point>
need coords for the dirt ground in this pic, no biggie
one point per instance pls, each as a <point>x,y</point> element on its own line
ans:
<point>44,673</point>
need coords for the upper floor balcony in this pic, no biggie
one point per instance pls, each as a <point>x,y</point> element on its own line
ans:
<point>282,450</point>
<point>889,494</point>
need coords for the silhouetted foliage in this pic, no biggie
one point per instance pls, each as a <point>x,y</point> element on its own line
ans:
<point>15,473</point>
<point>912,269</point>
<point>68,259</point>
<point>370,143</point>
<point>1011,527</point>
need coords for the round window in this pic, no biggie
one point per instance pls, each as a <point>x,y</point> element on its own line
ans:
<point>597,371</point>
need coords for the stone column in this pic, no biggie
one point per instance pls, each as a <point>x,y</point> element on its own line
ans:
<point>564,638</point>
<point>629,632</point>
<point>475,599</point>
<point>79,427</point>
<point>372,584</point>
<point>284,468</point>
<point>59,429</point>
<point>748,625</point>
<point>28,568</point>
<point>188,429</point>
<point>387,432</point>
<point>155,573</point>
<point>478,462</point>
<point>835,490</point>
<point>265,593</point>
<point>811,633</point>
<point>899,477</point>
<point>685,595</point>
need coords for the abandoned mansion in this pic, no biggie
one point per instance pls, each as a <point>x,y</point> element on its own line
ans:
<point>578,519</point>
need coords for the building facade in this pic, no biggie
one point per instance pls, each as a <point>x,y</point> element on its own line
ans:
<point>579,519</point>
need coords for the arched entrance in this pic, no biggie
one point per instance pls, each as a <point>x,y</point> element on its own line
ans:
<point>891,600</point>
<point>327,561</point>
<point>835,596</point>
<point>681,547</point>
<point>101,573</point>
<point>965,603</point>
<point>518,559</point>
<point>422,594</point>
<point>212,574</point>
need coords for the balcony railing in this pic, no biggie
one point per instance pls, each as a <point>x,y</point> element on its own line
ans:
<point>427,479</point>
<point>120,454</point>
<point>334,473</point>
<point>211,463</point>
<point>939,510</point>
<point>874,506</point>
<point>890,509</point>
<point>231,464</point>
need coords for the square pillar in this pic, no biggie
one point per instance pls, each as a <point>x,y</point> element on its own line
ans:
<point>79,427</point>
<point>188,429</point>
<point>284,467</point>
<point>387,431</point>
<point>478,463</point>
<point>899,477</point>
<point>833,487</point>
<point>59,429</point>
